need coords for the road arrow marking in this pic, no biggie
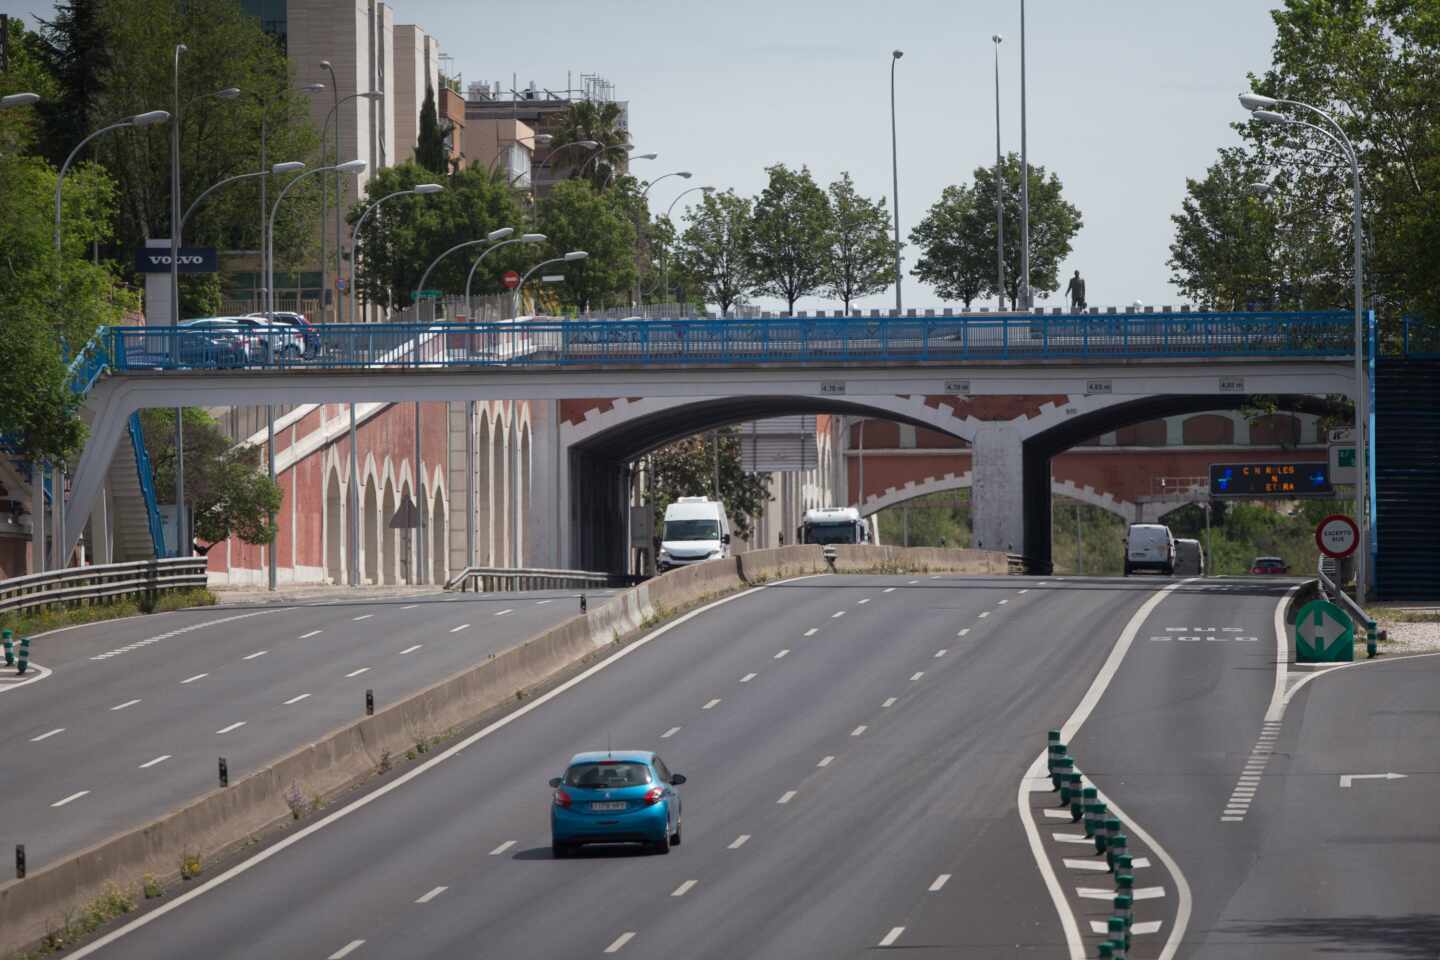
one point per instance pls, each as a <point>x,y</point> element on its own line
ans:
<point>1347,779</point>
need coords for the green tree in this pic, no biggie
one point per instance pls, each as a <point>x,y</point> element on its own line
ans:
<point>575,216</point>
<point>1054,222</point>
<point>954,256</point>
<point>715,249</point>
<point>225,488</point>
<point>404,236</point>
<point>861,258</point>
<point>686,468</point>
<point>790,227</point>
<point>21,126</point>
<point>74,48</point>
<point>430,151</point>
<point>602,122</point>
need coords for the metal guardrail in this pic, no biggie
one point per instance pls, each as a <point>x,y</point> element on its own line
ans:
<point>486,579</point>
<point>1017,563</point>
<point>556,343</point>
<point>1329,574</point>
<point>99,582</point>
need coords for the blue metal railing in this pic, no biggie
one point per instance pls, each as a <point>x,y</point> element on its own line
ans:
<point>552,343</point>
<point>92,361</point>
<point>146,475</point>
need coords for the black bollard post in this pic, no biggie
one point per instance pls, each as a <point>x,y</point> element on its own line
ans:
<point>19,861</point>
<point>369,703</point>
<point>583,605</point>
<point>224,773</point>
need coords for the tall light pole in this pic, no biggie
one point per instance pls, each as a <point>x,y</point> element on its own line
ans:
<point>310,88</point>
<point>420,189</point>
<point>999,185</point>
<point>570,257</point>
<point>595,157</point>
<point>334,113</point>
<point>18,100</point>
<point>665,271</point>
<point>491,237</point>
<point>642,211</point>
<point>895,174</point>
<point>290,166</point>
<point>349,166</point>
<point>525,238</point>
<point>585,144</point>
<point>1263,109</point>
<point>1025,299</point>
<point>329,68</point>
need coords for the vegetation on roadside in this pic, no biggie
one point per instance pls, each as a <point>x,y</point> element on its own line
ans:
<point>30,623</point>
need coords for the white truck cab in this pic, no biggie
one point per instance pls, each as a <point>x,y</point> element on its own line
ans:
<point>834,525</point>
<point>696,529</point>
<point>1149,546</point>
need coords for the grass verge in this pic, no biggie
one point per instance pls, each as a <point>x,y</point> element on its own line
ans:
<point>29,623</point>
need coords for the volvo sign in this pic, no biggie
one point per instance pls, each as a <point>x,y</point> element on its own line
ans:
<point>192,260</point>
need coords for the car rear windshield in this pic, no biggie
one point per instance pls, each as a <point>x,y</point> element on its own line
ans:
<point>691,530</point>
<point>607,775</point>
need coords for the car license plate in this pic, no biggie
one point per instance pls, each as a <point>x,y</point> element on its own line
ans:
<point>608,805</point>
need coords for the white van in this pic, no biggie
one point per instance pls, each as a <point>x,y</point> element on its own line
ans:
<point>696,529</point>
<point>1189,558</point>
<point>1149,546</point>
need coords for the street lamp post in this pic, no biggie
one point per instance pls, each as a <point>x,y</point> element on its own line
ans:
<point>642,211</point>
<point>490,237</point>
<point>18,100</point>
<point>349,166</point>
<point>1262,107</point>
<point>999,186</point>
<point>586,144</point>
<point>1025,300</point>
<point>665,270</point>
<point>289,166</point>
<point>895,174</point>
<point>420,189</point>
<point>310,88</point>
<point>526,238</point>
<point>595,158</point>
<point>570,257</point>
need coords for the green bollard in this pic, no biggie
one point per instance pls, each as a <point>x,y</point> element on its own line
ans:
<point>1118,844</point>
<point>1122,905</point>
<point>1069,787</point>
<point>1371,639</point>
<point>1124,880</point>
<point>24,663</point>
<point>1095,822</point>
<point>1102,837</point>
<point>1118,932</point>
<point>1058,761</point>
<point>1063,766</point>
<point>1106,949</point>
<point>6,634</point>
<point>1089,799</point>
<point>1077,797</point>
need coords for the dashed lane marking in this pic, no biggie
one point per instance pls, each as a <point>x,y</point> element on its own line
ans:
<point>940,653</point>
<point>837,614</point>
<point>859,731</point>
<point>984,614</point>
<point>158,760</point>
<point>312,633</point>
<point>463,626</point>
<point>1003,602</point>
<point>748,677</point>
<point>862,602</point>
<point>73,796</point>
<point>917,675</point>
<point>812,631</point>
<point>912,581</point>
<point>541,603</point>
<point>1072,838</point>
<point>47,735</point>
<point>502,848</point>
<point>139,644</point>
<point>684,888</point>
<point>411,607</point>
<point>939,883</point>
<point>1058,814</point>
<point>888,590</point>
<point>890,938</point>
<point>127,703</point>
<point>620,941</point>
<point>346,950</point>
<point>502,613</point>
<point>426,898</point>
<point>963,632</point>
<point>889,702</point>
<point>826,760</point>
<point>739,841</point>
<point>711,704</point>
<point>356,673</point>
<point>786,797</point>
<point>234,726</point>
<point>256,654</point>
<point>1025,591</point>
<point>669,733</point>
<point>1092,865</point>
<point>782,654</point>
<point>411,649</point>
<point>363,616</point>
<point>296,699</point>
<point>1149,893</point>
<point>1142,928</point>
<point>198,676</point>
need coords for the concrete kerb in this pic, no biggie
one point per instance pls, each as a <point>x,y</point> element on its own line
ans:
<point>221,819</point>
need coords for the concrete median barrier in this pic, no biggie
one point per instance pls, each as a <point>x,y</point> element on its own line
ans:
<point>223,818</point>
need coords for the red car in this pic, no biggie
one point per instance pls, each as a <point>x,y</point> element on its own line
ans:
<point>1270,566</point>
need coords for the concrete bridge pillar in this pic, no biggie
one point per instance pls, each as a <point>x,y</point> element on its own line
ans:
<point>997,502</point>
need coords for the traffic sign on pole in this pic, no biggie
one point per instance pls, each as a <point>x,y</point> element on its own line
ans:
<point>1336,536</point>
<point>510,279</point>
<point>1342,456</point>
<point>1323,634</point>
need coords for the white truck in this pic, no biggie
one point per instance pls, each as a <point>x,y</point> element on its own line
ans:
<point>833,525</point>
<point>696,529</point>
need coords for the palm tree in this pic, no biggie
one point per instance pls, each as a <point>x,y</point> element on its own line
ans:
<point>589,120</point>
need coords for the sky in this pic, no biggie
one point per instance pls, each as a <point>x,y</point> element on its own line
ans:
<point>1126,99</point>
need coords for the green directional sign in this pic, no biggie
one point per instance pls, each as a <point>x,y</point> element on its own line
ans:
<point>1323,634</point>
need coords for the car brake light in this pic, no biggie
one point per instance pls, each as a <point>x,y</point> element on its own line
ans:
<point>562,799</point>
<point>653,795</point>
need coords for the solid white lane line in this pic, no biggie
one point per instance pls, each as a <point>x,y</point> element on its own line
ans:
<point>837,614</point>
<point>669,733</point>
<point>363,616</point>
<point>748,677</point>
<point>431,895</point>
<point>198,676</point>
<point>859,730</point>
<point>73,796</point>
<point>356,673</point>
<point>888,590</point>
<point>861,602</point>
<point>412,607</point>
<point>233,726</point>
<point>684,888</point>
<point>917,675</point>
<point>150,763</point>
<point>786,797</point>
<point>620,941</point>
<point>411,649</point>
<point>782,654</point>
<point>892,936</point>
<point>504,612</point>
<point>711,704</point>
<point>826,760</point>
<point>739,841</point>
<point>963,632</point>
<point>257,653</point>
<point>939,883</point>
<point>940,653</point>
<point>47,736</point>
<point>296,699</point>
<point>984,614</point>
<point>812,631</point>
<point>889,702</point>
<point>502,848</point>
<point>127,703</point>
<point>346,950</point>
<point>312,633</point>
<point>463,626</point>
<point>1099,867</point>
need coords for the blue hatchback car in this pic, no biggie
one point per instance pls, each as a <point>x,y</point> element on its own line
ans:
<point>615,796</point>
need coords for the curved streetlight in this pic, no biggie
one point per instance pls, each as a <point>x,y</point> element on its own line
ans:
<point>334,114</point>
<point>997,39</point>
<point>538,139</point>
<point>289,166</point>
<point>587,144</point>
<point>895,55</point>
<point>264,101</point>
<point>420,189</point>
<point>684,175</point>
<point>490,237</point>
<point>1263,109</point>
<point>349,166</point>
<point>600,153</point>
<point>525,238</point>
<point>665,270</point>
<point>570,257</point>
<point>19,100</point>
<point>149,118</point>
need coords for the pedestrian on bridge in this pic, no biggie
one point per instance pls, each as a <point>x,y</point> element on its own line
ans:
<point>1076,292</point>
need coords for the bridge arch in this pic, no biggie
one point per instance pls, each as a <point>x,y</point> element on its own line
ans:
<point>962,481</point>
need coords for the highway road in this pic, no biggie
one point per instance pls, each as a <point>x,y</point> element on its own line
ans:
<point>136,713</point>
<point>853,747</point>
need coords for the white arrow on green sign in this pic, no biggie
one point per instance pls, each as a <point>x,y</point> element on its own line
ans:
<point>1323,634</point>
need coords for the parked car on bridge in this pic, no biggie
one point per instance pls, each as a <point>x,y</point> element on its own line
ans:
<point>1269,566</point>
<point>309,336</point>
<point>615,796</point>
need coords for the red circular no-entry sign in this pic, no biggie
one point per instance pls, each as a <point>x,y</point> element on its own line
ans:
<point>1337,536</point>
<point>511,279</point>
